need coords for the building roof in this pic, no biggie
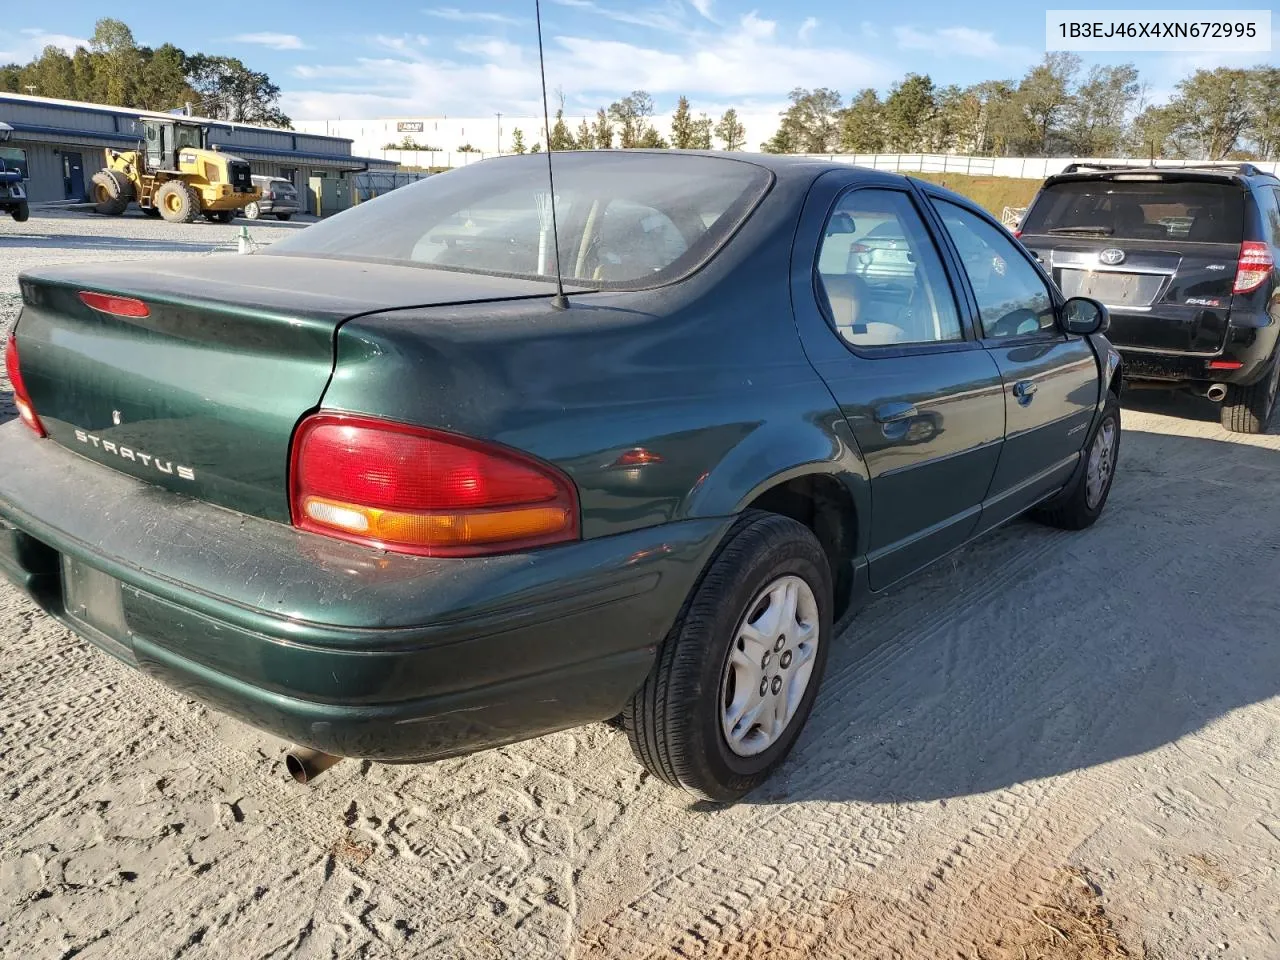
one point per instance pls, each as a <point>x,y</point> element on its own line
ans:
<point>133,113</point>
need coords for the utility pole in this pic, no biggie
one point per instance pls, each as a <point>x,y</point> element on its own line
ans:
<point>499,116</point>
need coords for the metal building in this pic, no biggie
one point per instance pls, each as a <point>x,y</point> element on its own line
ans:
<point>64,142</point>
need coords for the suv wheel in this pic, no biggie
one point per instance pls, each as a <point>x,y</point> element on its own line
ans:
<point>1248,409</point>
<point>736,677</point>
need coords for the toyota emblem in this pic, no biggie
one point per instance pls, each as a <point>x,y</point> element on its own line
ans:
<point>1111,256</point>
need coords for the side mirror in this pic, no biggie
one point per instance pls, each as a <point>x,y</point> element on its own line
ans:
<point>1083,316</point>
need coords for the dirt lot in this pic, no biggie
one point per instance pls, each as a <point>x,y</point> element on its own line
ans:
<point>1052,745</point>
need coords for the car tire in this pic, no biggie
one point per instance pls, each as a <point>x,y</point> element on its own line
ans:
<point>177,201</point>
<point>679,722</point>
<point>1080,505</point>
<point>283,217</point>
<point>1248,409</point>
<point>112,192</point>
<point>252,211</point>
<point>22,212</point>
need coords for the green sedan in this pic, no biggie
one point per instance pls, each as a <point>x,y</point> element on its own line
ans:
<point>380,491</point>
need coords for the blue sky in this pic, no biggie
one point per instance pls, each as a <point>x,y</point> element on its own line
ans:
<point>459,58</point>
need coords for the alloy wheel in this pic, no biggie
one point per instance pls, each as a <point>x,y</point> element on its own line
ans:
<point>769,666</point>
<point>1101,463</point>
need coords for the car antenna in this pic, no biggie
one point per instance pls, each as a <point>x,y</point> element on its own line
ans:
<point>558,301</point>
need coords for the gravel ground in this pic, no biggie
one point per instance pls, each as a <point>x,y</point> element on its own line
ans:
<point>1051,745</point>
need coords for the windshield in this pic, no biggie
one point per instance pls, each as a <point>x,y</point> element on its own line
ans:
<point>1195,211</point>
<point>624,220</point>
<point>186,136</point>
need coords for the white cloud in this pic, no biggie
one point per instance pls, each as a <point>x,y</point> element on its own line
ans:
<point>25,45</point>
<point>666,18</point>
<point>806,29</point>
<point>703,7</point>
<point>959,41</point>
<point>738,65</point>
<point>471,16</point>
<point>276,41</point>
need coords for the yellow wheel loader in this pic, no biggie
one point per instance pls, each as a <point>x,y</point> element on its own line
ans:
<point>173,174</point>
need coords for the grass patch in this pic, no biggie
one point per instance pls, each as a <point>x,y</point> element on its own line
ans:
<point>992,193</point>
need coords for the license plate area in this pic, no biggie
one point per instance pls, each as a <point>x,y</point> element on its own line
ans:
<point>1113,288</point>
<point>93,599</point>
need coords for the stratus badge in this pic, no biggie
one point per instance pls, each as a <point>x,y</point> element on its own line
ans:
<point>135,456</point>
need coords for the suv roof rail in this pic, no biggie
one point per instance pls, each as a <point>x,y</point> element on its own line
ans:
<point>1244,169</point>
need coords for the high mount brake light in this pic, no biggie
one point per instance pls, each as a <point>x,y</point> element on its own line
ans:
<point>116,306</point>
<point>21,399</point>
<point>413,490</point>
<point>1254,266</point>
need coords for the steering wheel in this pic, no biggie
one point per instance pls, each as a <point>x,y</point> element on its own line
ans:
<point>1015,323</point>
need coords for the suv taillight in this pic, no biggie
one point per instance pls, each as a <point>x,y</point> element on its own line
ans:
<point>414,490</point>
<point>20,397</point>
<point>1256,264</point>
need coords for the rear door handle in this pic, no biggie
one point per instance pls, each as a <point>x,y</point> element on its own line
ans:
<point>899,410</point>
<point>1025,391</point>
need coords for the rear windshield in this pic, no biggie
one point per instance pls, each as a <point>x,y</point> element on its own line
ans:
<point>1194,211</point>
<point>624,220</point>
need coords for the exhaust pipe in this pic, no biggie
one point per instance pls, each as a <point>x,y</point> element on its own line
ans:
<point>305,764</point>
<point>1217,392</point>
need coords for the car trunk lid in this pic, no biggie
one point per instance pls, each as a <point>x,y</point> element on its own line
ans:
<point>201,395</point>
<point>1160,250</point>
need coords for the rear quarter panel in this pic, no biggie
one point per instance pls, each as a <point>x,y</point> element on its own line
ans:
<point>708,375</point>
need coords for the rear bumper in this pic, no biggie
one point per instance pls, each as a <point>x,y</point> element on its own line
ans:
<point>331,645</point>
<point>1250,344</point>
<point>266,205</point>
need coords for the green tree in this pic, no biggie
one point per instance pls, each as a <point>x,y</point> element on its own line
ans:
<point>862,124</point>
<point>517,141</point>
<point>810,125</point>
<point>602,131</point>
<point>560,137</point>
<point>1264,109</point>
<point>88,81</point>
<point>53,74</point>
<point>119,60</point>
<point>10,74</point>
<point>536,148</point>
<point>682,125</point>
<point>1213,111</point>
<point>730,130</point>
<point>908,112</point>
<point>162,84</point>
<point>1094,122</point>
<point>1044,96</point>
<point>702,128</point>
<point>584,139</point>
<point>632,114</point>
<point>994,119</point>
<point>228,90</point>
<point>1154,133</point>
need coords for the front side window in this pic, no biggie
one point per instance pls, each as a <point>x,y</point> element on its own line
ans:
<point>1012,299</point>
<point>881,275</point>
<point>624,220</point>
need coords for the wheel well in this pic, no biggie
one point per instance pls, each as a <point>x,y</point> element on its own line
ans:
<point>824,505</point>
<point>1117,380</point>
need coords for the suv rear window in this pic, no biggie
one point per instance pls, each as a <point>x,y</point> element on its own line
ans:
<point>1187,210</point>
<point>625,220</point>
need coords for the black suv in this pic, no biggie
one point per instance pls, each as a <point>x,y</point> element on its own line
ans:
<point>1185,258</point>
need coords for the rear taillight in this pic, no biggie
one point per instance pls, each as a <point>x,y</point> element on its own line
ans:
<point>413,490</point>
<point>20,397</point>
<point>1255,266</point>
<point>116,306</point>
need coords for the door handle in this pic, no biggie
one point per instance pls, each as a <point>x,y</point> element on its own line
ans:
<point>892,412</point>
<point>1025,391</point>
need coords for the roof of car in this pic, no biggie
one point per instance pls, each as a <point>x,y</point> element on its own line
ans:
<point>1197,171</point>
<point>783,165</point>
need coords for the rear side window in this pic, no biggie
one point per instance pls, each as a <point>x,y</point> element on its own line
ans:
<point>1177,210</point>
